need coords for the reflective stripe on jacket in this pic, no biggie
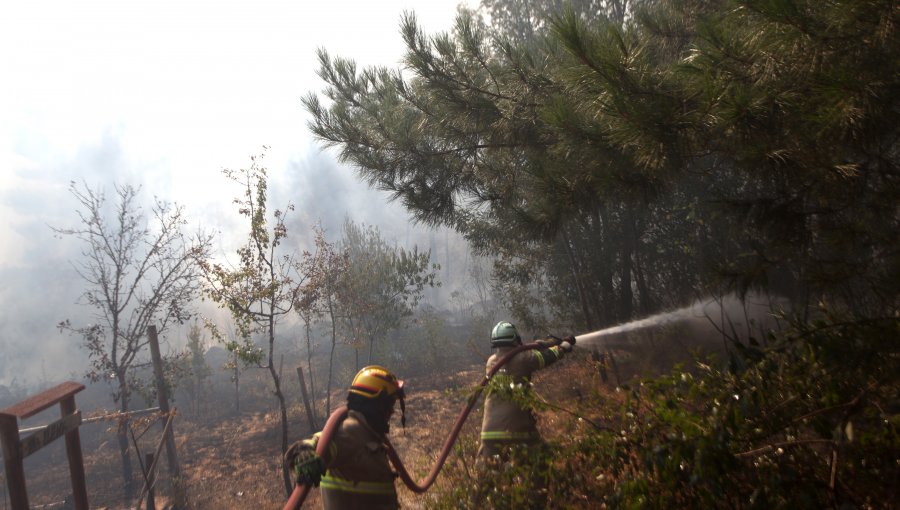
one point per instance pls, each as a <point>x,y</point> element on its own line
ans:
<point>337,483</point>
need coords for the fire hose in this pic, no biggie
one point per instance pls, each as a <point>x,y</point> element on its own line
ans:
<point>334,421</point>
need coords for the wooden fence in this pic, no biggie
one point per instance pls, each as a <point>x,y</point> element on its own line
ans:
<point>16,448</point>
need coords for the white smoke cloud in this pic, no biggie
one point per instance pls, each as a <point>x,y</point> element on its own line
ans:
<point>163,95</point>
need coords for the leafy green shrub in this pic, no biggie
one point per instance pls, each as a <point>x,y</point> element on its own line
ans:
<point>808,421</point>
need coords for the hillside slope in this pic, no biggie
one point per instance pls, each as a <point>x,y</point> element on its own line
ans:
<point>234,462</point>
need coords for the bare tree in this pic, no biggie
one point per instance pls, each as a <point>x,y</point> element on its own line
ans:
<point>138,271</point>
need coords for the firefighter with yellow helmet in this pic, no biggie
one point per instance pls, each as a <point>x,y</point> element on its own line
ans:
<point>354,472</point>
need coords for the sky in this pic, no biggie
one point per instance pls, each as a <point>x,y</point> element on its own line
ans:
<point>164,95</point>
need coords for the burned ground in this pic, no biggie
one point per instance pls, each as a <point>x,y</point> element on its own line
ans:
<point>233,461</point>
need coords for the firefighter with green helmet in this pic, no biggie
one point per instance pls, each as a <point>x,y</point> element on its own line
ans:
<point>507,423</point>
<point>354,472</point>
<point>512,452</point>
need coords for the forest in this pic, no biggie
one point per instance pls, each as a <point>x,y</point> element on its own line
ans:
<point>606,161</point>
<point>619,159</point>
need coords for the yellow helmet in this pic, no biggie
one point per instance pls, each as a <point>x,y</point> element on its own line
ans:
<point>375,381</point>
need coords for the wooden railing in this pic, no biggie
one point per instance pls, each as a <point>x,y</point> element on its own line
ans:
<point>16,448</point>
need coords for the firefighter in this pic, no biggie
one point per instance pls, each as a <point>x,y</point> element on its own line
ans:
<point>509,435</point>
<point>506,423</point>
<point>354,472</point>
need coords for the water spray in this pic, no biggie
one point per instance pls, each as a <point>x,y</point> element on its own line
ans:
<point>595,337</point>
<point>718,314</point>
<point>713,312</point>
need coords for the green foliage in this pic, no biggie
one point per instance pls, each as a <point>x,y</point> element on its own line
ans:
<point>195,380</point>
<point>800,422</point>
<point>624,166</point>
<point>619,168</point>
<point>524,21</point>
<point>427,346</point>
<point>176,371</point>
<point>262,288</point>
<point>471,141</point>
<point>324,269</point>
<point>246,352</point>
<point>381,286</point>
<point>196,347</point>
<point>511,390</point>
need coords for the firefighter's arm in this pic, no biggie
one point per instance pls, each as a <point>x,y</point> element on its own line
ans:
<point>306,466</point>
<point>552,349</point>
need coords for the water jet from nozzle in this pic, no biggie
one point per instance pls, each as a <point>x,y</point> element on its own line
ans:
<point>729,314</point>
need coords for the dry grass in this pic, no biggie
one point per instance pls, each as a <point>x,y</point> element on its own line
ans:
<point>235,462</point>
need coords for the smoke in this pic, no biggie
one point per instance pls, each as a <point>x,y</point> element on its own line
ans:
<point>327,193</point>
<point>40,284</point>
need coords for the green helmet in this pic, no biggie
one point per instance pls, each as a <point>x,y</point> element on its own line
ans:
<point>504,334</point>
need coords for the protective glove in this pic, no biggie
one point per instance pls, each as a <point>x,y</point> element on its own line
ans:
<point>551,341</point>
<point>306,466</point>
<point>568,343</point>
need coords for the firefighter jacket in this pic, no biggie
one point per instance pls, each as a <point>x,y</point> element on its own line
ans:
<point>505,421</point>
<point>358,475</point>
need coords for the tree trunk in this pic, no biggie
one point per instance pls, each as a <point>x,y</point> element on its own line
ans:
<point>237,385</point>
<point>312,383</point>
<point>646,301</point>
<point>372,330</point>
<point>282,407</point>
<point>168,432</point>
<point>310,417</point>
<point>122,436</point>
<point>626,294</point>
<point>607,290</point>
<point>330,358</point>
<point>579,282</point>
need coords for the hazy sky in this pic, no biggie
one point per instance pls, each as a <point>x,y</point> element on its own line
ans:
<point>164,94</point>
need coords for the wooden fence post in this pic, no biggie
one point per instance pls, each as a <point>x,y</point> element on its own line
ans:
<point>13,462</point>
<point>151,481</point>
<point>162,394</point>
<point>76,459</point>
